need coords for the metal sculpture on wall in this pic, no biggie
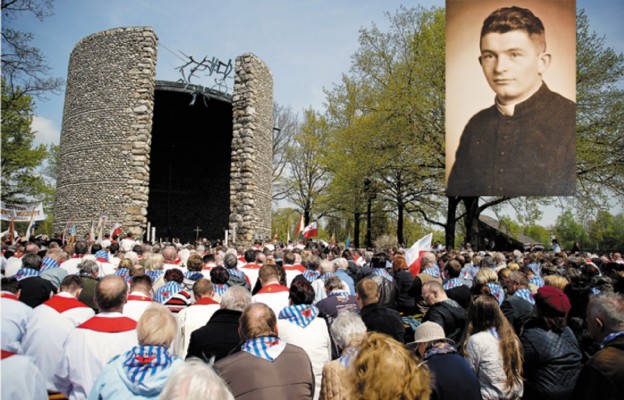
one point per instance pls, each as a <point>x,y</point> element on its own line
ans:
<point>213,66</point>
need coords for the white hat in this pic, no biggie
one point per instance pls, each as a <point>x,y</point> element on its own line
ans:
<point>428,332</point>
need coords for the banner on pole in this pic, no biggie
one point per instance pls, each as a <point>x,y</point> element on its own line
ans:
<point>22,212</point>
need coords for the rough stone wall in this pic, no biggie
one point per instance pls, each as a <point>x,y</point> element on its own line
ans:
<point>106,131</point>
<point>252,150</point>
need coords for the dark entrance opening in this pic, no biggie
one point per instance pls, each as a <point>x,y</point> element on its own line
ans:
<point>189,164</point>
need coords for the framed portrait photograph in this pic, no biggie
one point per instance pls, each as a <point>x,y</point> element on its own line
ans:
<point>510,98</point>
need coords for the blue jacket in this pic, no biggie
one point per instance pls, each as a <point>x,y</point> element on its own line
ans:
<point>114,382</point>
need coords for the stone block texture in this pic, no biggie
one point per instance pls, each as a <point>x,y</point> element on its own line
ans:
<point>252,150</point>
<point>106,131</point>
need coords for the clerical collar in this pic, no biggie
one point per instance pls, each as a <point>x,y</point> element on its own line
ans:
<point>508,109</point>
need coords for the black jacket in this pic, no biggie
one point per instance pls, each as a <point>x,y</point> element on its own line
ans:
<point>602,376</point>
<point>517,310</point>
<point>541,133</point>
<point>384,320</point>
<point>451,316</point>
<point>552,362</point>
<point>218,338</point>
<point>405,303</point>
<point>453,378</point>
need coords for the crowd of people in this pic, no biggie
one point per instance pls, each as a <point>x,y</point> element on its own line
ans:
<point>121,320</point>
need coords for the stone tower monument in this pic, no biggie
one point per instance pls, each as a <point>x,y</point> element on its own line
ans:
<point>106,138</point>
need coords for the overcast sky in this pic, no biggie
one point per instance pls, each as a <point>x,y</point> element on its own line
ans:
<point>307,44</point>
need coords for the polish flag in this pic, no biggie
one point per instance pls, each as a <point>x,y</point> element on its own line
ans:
<point>300,225</point>
<point>311,230</point>
<point>115,230</point>
<point>413,255</point>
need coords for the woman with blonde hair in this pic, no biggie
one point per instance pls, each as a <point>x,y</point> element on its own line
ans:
<point>154,268</point>
<point>143,371</point>
<point>493,350</point>
<point>386,369</point>
<point>486,282</point>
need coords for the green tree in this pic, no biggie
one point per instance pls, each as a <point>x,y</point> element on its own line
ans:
<point>599,120</point>
<point>307,177</point>
<point>24,67</point>
<point>391,109</point>
<point>285,126</point>
<point>569,230</point>
<point>22,180</point>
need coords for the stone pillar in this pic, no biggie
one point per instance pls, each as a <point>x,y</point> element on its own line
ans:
<point>252,150</point>
<point>106,131</point>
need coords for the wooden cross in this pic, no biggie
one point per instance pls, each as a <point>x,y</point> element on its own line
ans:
<point>197,230</point>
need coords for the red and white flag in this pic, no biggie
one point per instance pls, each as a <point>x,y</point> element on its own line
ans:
<point>115,230</point>
<point>413,255</point>
<point>311,230</point>
<point>300,225</point>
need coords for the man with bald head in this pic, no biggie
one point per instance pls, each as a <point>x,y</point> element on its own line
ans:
<point>266,367</point>
<point>93,343</point>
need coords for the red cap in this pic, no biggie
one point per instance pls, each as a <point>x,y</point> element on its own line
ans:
<point>553,298</point>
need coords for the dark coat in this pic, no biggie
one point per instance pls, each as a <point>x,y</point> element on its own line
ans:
<point>288,377</point>
<point>602,377</point>
<point>88,291</point>
<point>35,290</point>
<point>529,153</point>
<point>517,310</point>
<point>462,295</point>
<point>218,338</point>
<point>552,362</point>
<point>450,316</point>
<point>384,320</point>
<point>453,378</point>
<point>405,303</point>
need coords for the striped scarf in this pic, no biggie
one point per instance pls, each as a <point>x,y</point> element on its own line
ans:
<point>265,347</point>
<point>48,263</point>
<point>311,275</point>
<point>339,293</point>
<point>166,292</point>
<point>431,271</point>
<point>524,294</point>
<point>154,274</point>
<point>144,361</point>
<point>102,255</point>
<point>610,337</point>
<point>235,272</point>
<point>536,268</point>
<point>383,273</point>
<point>220,288</point>
<point>123,272</point>
<point>326,275</point>
<point>193,275</point>
<point>469,272</point>
<point>497,291</point>
<point>24,273</point>
<point>537,281</point>
<point>452,283</point>
<point>301,314</point>
<point>348,355</point>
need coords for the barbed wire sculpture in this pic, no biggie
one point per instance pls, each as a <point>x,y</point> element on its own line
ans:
<point>208,67</point>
